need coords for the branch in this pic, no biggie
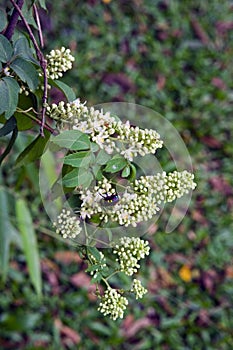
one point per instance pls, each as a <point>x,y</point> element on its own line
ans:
<point>43,64</point>
<point>13,21</point>
<point>38,25</point>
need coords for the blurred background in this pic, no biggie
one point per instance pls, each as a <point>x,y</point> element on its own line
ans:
<point>174,57</point>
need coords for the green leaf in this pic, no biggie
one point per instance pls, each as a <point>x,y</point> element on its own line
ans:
<point>133,172</point>
<point>29,15</point>
<point>78,177</point>
<point>72,139</point>
<point>25,102</point>
<point>3,20</point>
<point>29,241</point>
<point>8,234</point>
<point>115,164</point>
<point>33,151</point>
<point>67,90</point>
<point>8,127</point>
<point>94,147</point>
<point>79,159</point>
<point>95,252</point>
<point>42,4</point>
<point>102,157</point>
<point>126,171</point>
<point>23,50</point>
<point>6,49</point>
<point>26,72</point>
<point>9,91</point>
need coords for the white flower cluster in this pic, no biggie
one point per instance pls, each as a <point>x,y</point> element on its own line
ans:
<point>113,304</point>
<point>164,187</point>
<point>103,129</point>
<point>58,62</point>
<point>67,226</point>
<point>129,252</point>
<point>101,264</point>
<point>138,289</point>
<point>140,201</point>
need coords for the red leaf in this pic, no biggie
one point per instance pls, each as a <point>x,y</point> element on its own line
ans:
<point>68,332</point>
<point>82,280</point>
<point>221,185</point>
<point>67,257</point>
<point>219,83</point>
<point>211,142</point>
<point>135,327</point>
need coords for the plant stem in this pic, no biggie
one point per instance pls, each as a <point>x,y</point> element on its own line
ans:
<point>13,21</point>
<point>38,121</point>
<point>43,64</point>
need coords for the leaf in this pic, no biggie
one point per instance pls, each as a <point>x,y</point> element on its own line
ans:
<point>102,157</point>
<point>95,252</point>
<point>72,139</point>
<point>26,72</point>
<point>25,102</point>
<point>126,171</point>
<point>133,172</point>
<point>28,15</point>
<point>33,151</point>
<point>29,241</point>
<point>79,159</point>
<point>68,91</point>
<point>115,164</point>
<point>23,50</point>
<point>42,4</point>
<point>3,20</point>
<point>8,234</point>
<point>6,49</point>
<point>78,177</point>
<point>9,126</point>
<point>9,91</point>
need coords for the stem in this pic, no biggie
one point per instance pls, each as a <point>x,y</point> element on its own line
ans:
<point>13,21</point>
<point>112,274</point>
<point>38,25</point>
<point>43,64</point>
<point>38,121</point>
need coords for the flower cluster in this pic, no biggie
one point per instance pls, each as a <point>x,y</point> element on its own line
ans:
<point>100,264</point>
<point>105,130</point>
<point>59,61</point>
<point>67,226</point>
<point>129,252</point>
<point>140,200</point>
<point>138,289</point>
<point>113,304</point>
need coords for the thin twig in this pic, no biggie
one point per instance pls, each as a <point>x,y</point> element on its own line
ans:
<point>38,25</point>
<point>13,21</point>
<point>43,64</point>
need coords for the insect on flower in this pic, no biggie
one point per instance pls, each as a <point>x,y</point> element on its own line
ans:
<point>110,199</point>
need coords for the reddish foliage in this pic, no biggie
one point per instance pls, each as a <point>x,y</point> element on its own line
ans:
<point>120,79</point>
<point>81,279</point>
<point>51,270</point>
<point>223,27</point>
<point>221,185</point>
<point>67,257</point>
<point>131,327</point>
<point>211,142</point>
<point>219,83</point>
<point>71,337</point>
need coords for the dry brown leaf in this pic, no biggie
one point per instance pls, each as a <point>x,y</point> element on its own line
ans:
<point>68,332</point>
<point>67,257</point>
<point>136,326</point>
